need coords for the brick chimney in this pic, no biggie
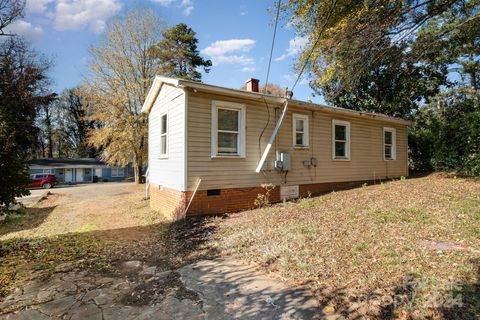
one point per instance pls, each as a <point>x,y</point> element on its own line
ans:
<point>252,85</point>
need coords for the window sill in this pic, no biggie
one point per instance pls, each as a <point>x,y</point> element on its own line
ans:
<point>341,159</point>
<point>389,159</point>
<point>220,156</point>
<point>163,157</point>
<point>301,147</point>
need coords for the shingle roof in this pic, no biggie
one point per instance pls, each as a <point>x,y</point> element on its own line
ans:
<point>66,162</point>
<point>181,83</point>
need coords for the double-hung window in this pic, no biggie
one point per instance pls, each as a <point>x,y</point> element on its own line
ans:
<point>389,144</point>
<point>300,130</point>
<point>163,135</point>
<point>117,172</point>
<point>228,129</point>
<point>340,140</point>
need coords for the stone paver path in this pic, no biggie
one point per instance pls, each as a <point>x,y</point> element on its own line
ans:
<point>208,289</point>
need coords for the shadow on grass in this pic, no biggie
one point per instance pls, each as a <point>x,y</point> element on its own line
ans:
<point>173,245</point>
<point>411,298</point>
<point>167,245</point>
<point>469,295</point>
<point>26,219</point>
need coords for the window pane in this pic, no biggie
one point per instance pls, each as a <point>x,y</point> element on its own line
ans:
<point>163,145</point>
<point>299,125</point>
<point>340,132</point>
<point>388,137</point>
<point>227,142</point>
<point>299,139</point>
<point>340,149</point>
<point>164,124</point>
<point>388,152</point>
<point>227,120</point>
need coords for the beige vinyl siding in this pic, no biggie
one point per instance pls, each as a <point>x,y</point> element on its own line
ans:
<point>168,171</point>
<point>366,148</point>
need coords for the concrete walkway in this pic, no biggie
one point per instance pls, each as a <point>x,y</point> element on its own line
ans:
<point>209,289</point>
<point>229,289</point>
<point>35,196</point>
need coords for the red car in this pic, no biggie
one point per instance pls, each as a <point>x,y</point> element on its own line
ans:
<point>44,180</point>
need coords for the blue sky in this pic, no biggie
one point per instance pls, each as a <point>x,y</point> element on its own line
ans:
<point>235,35</point>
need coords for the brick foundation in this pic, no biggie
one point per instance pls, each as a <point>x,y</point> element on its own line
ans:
<point>169,201</point>
<point>172,203</point>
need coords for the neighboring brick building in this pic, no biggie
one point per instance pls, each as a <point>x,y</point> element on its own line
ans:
<point>212,148</point>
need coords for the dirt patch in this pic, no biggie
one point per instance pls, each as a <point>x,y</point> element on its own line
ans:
<point>157,288</point>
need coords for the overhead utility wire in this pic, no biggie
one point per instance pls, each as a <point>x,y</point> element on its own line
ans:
<point>273,41</point>
<point>266,81</point>
<point>315,44</point>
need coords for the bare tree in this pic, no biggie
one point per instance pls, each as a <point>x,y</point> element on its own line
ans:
<point>10,10</point>
<point>121,70</point>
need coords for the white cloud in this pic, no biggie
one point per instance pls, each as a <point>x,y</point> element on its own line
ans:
<point>37,6</point>
<point>186,5</point>
<point>223,47</point>
<point>163,2</point>
<point>80,14</point>
<point>248,69</point>
<point>295,45</point>
<point>25,29</point>
<point>226,51</point>
<point>287,77</point>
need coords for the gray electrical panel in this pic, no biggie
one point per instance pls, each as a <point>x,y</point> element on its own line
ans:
<point>283,162</point>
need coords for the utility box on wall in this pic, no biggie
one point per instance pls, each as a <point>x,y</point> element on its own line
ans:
<point>283,162</point>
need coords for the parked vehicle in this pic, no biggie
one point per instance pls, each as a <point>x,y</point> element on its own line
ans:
<point>43,180</point>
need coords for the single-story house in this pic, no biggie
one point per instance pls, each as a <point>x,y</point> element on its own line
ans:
<point>212,148</point>
<point>76,170</point>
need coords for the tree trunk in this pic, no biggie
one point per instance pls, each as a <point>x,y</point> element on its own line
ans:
<point>137,169</point>
<point>50,145</point>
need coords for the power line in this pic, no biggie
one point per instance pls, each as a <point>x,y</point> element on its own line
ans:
<point>315,44</point>
<point>266,81</point>
<point>273,42</point>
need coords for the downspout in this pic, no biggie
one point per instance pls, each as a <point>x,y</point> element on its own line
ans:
<point>272,138</point>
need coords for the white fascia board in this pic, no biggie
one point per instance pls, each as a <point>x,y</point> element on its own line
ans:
<point>156,86</point>
<point>155,90</point>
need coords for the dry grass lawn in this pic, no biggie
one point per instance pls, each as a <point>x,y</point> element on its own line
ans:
<point>93,227</point>
<point>373,251</point>
<point>408,249</point>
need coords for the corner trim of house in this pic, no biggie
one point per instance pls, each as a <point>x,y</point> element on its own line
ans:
<point>185,145</point>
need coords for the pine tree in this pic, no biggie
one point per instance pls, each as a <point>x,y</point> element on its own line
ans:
<point>178,54</point>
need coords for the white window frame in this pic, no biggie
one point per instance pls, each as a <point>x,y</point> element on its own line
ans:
<point>160,135</point>
<point>347,151</point>
<point>306,128</point>
<point>117,169</point>
<point>226,105</point>
<point>48,171</point>
<point>393,145</point>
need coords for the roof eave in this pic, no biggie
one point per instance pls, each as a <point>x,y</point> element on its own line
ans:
<point>158,81</point>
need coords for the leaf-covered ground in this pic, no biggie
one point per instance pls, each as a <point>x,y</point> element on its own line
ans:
<point>385,250</point>
<point>406,249</point>
<point>94,227</point>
